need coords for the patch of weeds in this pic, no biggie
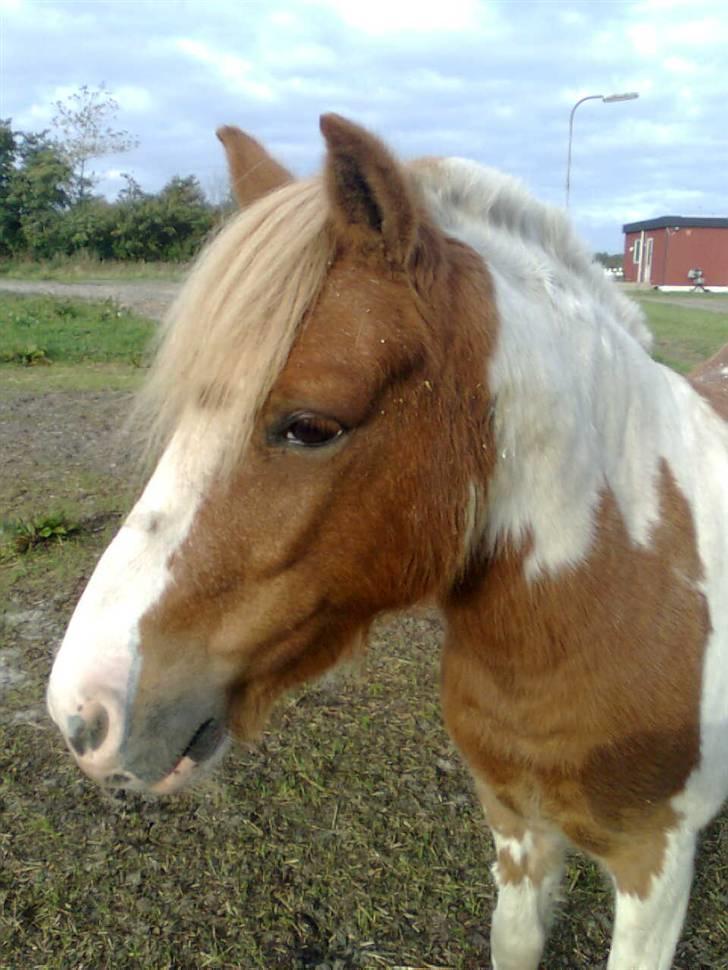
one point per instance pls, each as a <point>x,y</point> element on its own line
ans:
<point>24,535</point>
<point>66,309</point>
<point>29,356</point>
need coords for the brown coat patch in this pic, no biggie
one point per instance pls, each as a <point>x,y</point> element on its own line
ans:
<point>710,379</point>
<point>577,697</point>
<point>541,856</point>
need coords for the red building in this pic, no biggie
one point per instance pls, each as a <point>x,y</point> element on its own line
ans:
<point>669,251</point>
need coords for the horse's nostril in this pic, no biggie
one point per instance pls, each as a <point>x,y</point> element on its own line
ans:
<point>89,731</point>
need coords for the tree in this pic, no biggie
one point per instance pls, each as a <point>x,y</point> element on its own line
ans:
<point>83,120</point>
<point>9,222</point>
<point>41,215</point>
<point>35,185</point>
<point>613,261</point>
<point>132,191</point>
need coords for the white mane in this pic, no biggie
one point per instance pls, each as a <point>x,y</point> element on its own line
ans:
<point>530,245</point>
<point>579,405</point>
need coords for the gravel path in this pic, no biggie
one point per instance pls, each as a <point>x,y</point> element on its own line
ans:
<point>152,298</point>
<point>148,297</point>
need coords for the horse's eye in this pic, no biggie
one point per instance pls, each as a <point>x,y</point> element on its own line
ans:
<point>310,430</point>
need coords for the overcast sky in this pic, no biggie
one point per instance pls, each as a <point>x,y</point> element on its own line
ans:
<point>493,80</point>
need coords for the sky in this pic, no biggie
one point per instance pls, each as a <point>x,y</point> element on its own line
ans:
<point>491,80</point>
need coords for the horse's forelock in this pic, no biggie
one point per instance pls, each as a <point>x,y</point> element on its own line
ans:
<point>230,330</point>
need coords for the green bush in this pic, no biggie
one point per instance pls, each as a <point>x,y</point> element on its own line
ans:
<point>169,226</point>
<point>88,227</point>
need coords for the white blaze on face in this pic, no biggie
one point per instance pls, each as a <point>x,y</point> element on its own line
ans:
<point>99,655</point>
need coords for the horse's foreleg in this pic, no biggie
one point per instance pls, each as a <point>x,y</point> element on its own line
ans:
<point>650,905</point>
<point>527,871</point>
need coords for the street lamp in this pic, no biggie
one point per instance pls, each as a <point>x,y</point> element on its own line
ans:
<point>608,99</point>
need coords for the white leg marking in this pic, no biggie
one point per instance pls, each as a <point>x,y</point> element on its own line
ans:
<point>525,907</point>
<point>646,931</point>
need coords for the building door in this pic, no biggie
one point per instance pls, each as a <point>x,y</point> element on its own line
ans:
<point>647,268</point>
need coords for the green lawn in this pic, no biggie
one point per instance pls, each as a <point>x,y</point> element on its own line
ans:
<point>685,335</point>
<point>36,330</point>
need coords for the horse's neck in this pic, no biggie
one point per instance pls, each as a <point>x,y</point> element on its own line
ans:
<point>580,409</point>
<point>589,577</point>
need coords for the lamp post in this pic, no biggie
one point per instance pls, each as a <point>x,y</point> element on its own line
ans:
<point>608,99</point>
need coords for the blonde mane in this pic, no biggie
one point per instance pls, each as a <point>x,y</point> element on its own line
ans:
<point>230,330</point>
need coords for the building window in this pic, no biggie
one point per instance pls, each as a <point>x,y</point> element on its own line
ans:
<point>637,251</point>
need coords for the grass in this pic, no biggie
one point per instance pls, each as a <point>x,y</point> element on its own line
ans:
<point>103,377</point>
<point>349,837</point>
<point>84,269</point>
<point>685,335</point>
<point>38,330</point>
<point>719,299</point>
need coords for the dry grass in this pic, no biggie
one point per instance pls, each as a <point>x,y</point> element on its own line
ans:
<point>84,268</point>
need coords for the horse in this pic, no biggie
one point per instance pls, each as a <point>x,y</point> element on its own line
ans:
<point>399,384</point>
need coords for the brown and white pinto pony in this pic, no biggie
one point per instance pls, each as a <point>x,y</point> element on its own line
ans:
<point>394,385</point>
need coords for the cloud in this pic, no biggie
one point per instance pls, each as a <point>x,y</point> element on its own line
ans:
<point>133,98</point>
<point>680,66</point>
<point>644,39</point>
<point>426,80</point>
<point>383,17</point>
<point>236,72</point>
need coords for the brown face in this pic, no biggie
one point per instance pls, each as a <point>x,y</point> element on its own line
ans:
<point>351,497</point>
<point>341,508</point>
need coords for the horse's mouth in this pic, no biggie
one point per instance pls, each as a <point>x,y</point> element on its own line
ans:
<point>206,743</point>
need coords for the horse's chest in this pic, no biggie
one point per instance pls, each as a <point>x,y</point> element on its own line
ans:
<point>576,745</point>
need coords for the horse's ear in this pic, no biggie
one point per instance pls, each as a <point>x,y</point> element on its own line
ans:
<point>369,193</point>
<point>253,172</point>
